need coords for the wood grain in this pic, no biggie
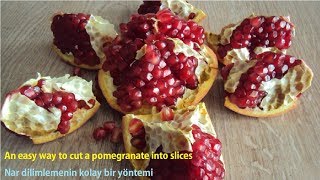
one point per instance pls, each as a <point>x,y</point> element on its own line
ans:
<point>286,147</point>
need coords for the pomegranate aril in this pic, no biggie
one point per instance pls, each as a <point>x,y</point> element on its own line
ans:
<point>66,116</point>
<point>116,135</point>
<point>67,98</point>
<point>56,98</point>
<point>109,126</point>
<point>64,127</point>
<point>135,127</point>
<point>138,143</point>
<point>39,102</point>
<point>166,114</point>
<point>46,98</point>
<point>99,134</point>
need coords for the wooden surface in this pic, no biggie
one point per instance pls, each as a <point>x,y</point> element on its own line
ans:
<point>286,147</point>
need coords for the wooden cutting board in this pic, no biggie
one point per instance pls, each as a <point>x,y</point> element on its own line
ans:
<point>285,147</point>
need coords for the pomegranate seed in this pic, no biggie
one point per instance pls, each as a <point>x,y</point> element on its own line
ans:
<point>138,143</point>
<point>67,98</point>
<point>64,127</point>
<point>56,98</point>
<point>135,127</point>
<point>116,135</point>
<point>66,116</point>
<point>46,98</point>
<point>99,134</point>
<point>40,83</point>
<point>166,114</point>
<point>109,126</point>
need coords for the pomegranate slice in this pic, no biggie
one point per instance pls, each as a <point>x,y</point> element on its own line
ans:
<point>154,61</point>
<point>252,36</point>
<point>44,110</point>
<point>181,8</point>
<point>202,155</point>
<point>266,84</point>
<point>78,38</point>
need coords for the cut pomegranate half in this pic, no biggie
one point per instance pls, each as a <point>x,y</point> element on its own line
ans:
<point>268,85</point>
<point>181,8</point>
<point>252,36</point>
<point>48,108</point>
<point>79,38</point>
<point>147,66</point>
<point>193,139</point>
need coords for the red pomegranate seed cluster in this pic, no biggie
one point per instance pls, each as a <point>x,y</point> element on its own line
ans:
<point>158,78</point>
<point>205,162</point>
<point>259,31</point>
<point>170,25</point>
<point>70,36</point>
<point>64,101</point>
<point>108,128</point>
<point>269,65</point>
<point>149,7</point>
<point>175,27</point>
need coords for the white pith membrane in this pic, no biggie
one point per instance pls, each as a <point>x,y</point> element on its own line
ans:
<point>175,135</point>
<point>100,31</point>
<point>23,116</point>
<point>280,92</point>
<point>243,54</point>
<point>180,47</point>
<point>180,7</point>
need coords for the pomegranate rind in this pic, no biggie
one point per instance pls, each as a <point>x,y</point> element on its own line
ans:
<point>209,75</point>
<point>213,39</point>
<point>259,113</point>
<point>80,117</point>
<point>143,164</point>
<point>69,58</point>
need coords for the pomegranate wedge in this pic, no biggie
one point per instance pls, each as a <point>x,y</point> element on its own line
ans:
<point>268,85</point>
<point>158,60</point>
<point>79,38</point>
<point>48,108</point>
<point>189,140</point>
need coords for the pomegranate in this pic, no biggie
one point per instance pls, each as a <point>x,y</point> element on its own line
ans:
<point>254,35</point>
<point>181,8</point>
<point>64,101</point>
<point>150,65</point>
<point>205,161</point>
<point>78,38</point>
<point>263,81</point>
<point>45,107</point>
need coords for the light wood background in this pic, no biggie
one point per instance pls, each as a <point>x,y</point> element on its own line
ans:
<point>286,147</point>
